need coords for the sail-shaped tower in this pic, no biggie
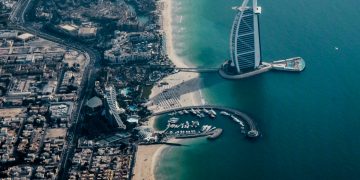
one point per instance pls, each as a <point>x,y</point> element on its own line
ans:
<point>245,48</point>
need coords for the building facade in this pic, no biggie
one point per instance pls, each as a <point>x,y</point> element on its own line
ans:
<point>113,109</point>
<point>245,48</point>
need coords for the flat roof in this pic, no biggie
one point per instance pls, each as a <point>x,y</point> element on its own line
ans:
<point>11,112</point>
<point>56,132</point>
<point>87,30</point>
<point>25,36</point>
<point>69,27</point>
<point>94,102</point>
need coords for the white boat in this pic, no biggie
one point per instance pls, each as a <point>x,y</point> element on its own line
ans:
<point>203,127</point>
<point>212,112</point>
<point>173,120</point>
<point>193,111</point>
<point>224,113</point>
<point>235,119</point>
<point>208,127</point>
<point>206,111</point>
<point>241,124</point>
<point>212,129</point>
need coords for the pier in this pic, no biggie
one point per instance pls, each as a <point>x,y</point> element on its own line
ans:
<point>253,130</point>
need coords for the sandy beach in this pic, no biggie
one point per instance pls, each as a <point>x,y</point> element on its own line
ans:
<point>146,156</point>
<point>176,90</point>
<point>146,159</point>
<point>179,89</point>
<point>167,28</point>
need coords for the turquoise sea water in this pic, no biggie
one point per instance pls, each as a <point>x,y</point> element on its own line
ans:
<point>310,122</point>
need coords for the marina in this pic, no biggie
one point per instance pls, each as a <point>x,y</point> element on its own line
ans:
<point>198,121</point>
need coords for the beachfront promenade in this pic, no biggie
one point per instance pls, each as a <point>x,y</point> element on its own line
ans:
<point>243,116</point>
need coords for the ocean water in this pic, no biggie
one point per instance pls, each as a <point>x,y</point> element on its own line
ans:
<point>310,121</point>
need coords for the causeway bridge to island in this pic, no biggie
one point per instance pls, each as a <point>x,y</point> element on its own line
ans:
<point>295,64</point>
<point>249,121</point>
<point>199,70</point>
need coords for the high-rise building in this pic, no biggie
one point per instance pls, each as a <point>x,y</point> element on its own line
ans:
<point>245,45</point>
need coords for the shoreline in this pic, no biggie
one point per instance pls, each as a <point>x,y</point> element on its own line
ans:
<point>147,158</point>
<point>167,28</point>
<point>185,90</point>
<point>145,162</point>
<point>184,87</point>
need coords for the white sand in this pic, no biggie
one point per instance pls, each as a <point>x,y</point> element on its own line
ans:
<point>167,28</point>
<point>147,157</point>
<point>183,89</point>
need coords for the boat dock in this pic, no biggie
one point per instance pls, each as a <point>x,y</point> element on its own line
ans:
<point>253,131</point>
<point>185,136</point>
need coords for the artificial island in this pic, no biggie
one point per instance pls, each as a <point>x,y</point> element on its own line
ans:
<point>245,47</point>
<point>81,83</point>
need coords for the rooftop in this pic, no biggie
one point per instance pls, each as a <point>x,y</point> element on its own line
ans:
<point>87,30</point>
<point>94,102</point>
<point>69,27</point>
<point>25,36</point>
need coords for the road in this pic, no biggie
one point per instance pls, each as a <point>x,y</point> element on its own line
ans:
<point>17,20</point>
